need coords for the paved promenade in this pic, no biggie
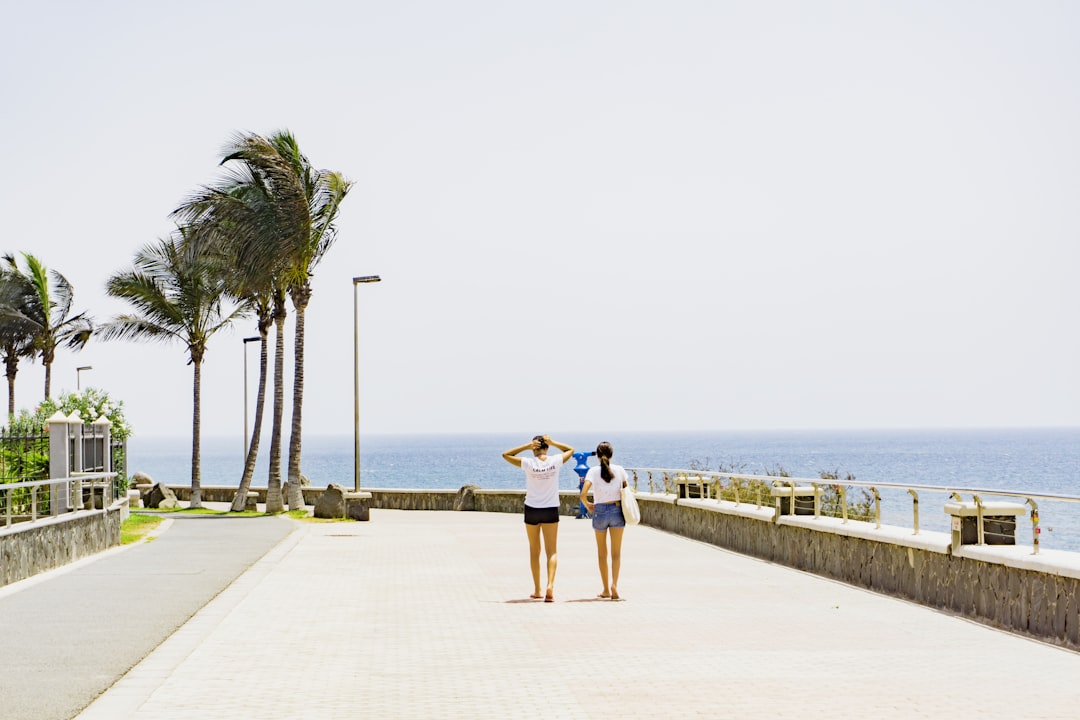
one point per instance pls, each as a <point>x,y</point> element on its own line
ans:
<point>426,615</point>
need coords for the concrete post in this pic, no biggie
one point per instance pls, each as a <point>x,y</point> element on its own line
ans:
<point>59,460</point>
<point>102,439</point>
<point>75,428</point>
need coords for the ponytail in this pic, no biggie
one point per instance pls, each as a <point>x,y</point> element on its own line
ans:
<point>604,453</point>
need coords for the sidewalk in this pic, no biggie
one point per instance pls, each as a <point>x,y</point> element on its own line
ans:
<point>72,632</point>
<point>425,615</point>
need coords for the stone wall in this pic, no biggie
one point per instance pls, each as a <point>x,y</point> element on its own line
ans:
<point>986,584</point>
<point>27,549</point>
<point>512,501</point>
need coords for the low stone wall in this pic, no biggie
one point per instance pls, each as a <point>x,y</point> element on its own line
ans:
<point>27,549</point>
<point>512,501</point>
<point>1003,586</point>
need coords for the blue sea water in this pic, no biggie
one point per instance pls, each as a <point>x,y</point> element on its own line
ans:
<point>1045,461</point>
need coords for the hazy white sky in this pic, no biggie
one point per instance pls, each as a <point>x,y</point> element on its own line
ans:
<point>589,215</point>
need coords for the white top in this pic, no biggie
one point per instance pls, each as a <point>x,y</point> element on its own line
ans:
<point>605,492</point>
<point>542,480</point>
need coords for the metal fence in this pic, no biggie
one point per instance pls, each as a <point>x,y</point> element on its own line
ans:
<point>29,500</point>
<point>893,503</point>
<point>24,455</point>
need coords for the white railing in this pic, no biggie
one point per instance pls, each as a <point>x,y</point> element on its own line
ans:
<point>30,500</point>
<point>764,490</point>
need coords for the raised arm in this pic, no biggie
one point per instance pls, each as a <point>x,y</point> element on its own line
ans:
<point>567,451</point>
<point>510,455</point>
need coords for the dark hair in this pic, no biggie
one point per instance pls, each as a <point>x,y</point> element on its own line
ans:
<point>543,443</point>
<point>604,453</point>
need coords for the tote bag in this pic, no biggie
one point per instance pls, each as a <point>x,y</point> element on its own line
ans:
<point>630,508</point>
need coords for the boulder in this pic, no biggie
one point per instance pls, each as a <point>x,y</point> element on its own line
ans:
<point>466,498</point>
<point>160,496</point>
<point>331,504</point>
<point>141,478</point>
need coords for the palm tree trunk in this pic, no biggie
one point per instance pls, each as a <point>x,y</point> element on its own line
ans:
<point>11,363</point>
<point>274,501</point>
<point>48,380</point>
<point>240,499</point>
<point>300,297</point>
<point>196,457</point>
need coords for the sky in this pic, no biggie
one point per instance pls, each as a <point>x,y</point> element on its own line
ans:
<point>598,215</point>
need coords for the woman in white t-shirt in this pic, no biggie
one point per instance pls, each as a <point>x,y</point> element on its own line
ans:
<point>606,483</point>
<point>541,505</point>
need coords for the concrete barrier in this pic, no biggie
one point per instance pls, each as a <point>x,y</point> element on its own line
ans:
<point>27,549</point>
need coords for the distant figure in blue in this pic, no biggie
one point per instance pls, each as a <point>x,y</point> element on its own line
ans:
<point>541,505</point>
<point>606,482</point>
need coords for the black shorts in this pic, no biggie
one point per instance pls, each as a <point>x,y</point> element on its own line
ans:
<point>541,516</point>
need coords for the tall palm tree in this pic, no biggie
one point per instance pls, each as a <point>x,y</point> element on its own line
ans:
<point>55,296</point>
<point>20,321</point>
<point>177,294</point>
<point>289,215</point>
<point>249,220</point>
<point>324,192</point>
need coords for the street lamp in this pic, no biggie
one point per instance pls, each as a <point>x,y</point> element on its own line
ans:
<point>78,375</point>
<point>246,446</point>
<point>356,377</point>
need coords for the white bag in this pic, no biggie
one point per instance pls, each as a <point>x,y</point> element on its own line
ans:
<point>630,509</point>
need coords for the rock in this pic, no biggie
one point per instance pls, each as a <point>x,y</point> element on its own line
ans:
<point>158,494</point>
<point>331,504</point>
<point>466,498</point>
<point>358,506</point>
<point>141,478</point>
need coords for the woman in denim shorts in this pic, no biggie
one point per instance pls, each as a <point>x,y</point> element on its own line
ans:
<point>606,483</point>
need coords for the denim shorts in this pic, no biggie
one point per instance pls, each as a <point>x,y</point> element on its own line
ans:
<point>607,516</point>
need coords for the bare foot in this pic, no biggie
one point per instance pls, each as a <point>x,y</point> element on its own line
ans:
<point>604,594</point>
<point>536,596</point>
<point>614,594</point>
<point>550,597</point>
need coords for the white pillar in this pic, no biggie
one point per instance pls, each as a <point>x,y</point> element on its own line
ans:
<point>60,449</point>
<point>102,439</point>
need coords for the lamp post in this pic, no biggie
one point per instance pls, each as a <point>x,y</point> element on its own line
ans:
<point>246,341</point>
<point>356,377</point>
<point>78,375</point>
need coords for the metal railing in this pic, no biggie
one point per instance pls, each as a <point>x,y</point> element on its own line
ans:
<point>716,485</point>
<point>31,500</point>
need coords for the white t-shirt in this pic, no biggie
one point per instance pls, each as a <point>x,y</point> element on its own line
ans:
<point>606,492</point>
<point>542,480</point>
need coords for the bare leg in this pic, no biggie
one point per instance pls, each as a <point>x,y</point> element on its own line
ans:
<point>534,557</point>
<point>551,547</point>
<point>601,558</point>
<point>616,560</point>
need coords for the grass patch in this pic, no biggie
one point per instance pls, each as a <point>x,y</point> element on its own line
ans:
<point>201,511</point>
<point>136,527</point>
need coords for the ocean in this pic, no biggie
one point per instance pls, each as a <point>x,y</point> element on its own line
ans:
<point>1044,461</point>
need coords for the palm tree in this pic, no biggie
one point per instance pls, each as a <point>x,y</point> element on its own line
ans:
<point>249,222</point>
<point>54,299</point>
<point>324,191</point>
<point>287,214</point>
<point>20,321</point>
<point>176,293</point>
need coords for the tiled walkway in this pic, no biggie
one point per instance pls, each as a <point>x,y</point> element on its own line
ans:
<point>426,615</point>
